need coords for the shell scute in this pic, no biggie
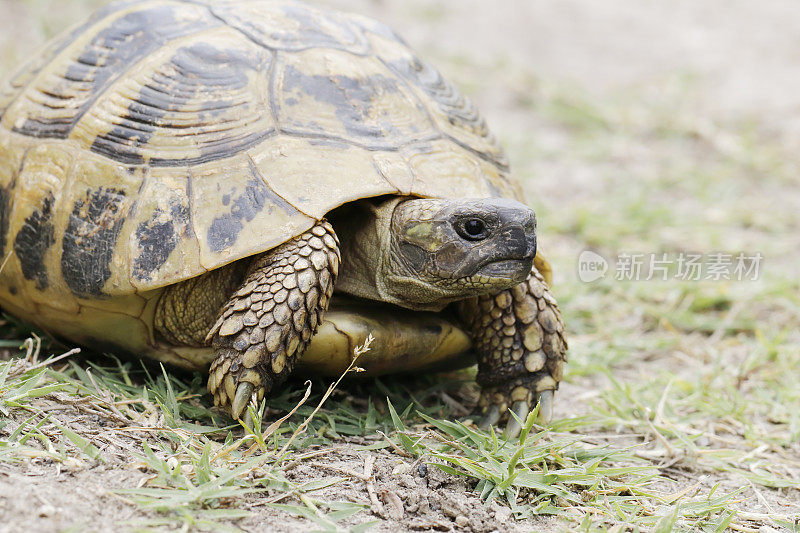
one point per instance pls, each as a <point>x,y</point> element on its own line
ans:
<point>239,206</point>
<point>43,177</point>
<point>326,178</point>
<point>26,73</point>
<point>97,206</point>
<point>11,157</point>
<point>332,94</point>
<point>440,169</point>
<point>191,103</point>
<point>498,181</point>
<point>65,89</point>
<point>395,170</point>
<point>164,246</point>
<point>291,26</point>
<point>236,212</point>
<point>454,114</point>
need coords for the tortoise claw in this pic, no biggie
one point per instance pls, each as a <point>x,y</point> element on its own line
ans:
<point>248,419</point>
<point>516,416</point>
<point>243,394</point>
<point>491,418</point>
<point>546,406</point>
<point>513,427</point>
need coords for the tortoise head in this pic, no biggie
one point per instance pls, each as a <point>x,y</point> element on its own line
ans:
<point>443,250</point>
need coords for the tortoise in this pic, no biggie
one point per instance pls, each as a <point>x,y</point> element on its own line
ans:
<point>196,181</point>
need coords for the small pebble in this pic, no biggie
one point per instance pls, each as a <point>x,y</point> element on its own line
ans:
<point>400,469</point>
<point>462,521</point>
<point>404,480</point>
<point>47,510</point>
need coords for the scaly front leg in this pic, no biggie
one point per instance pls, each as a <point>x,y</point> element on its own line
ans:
<point>267,324</point>
<point>519,337</point>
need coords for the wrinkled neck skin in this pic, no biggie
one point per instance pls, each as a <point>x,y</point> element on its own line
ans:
<point>371,266</point>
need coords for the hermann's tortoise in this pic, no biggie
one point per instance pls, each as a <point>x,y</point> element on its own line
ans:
<point>189,181</point>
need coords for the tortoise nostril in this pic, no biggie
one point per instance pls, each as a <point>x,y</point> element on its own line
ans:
<point>531,252</point>
<point>530,222</point>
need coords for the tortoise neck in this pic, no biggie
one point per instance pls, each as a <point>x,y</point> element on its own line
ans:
<point>372,266</point>
<point>364,233</point>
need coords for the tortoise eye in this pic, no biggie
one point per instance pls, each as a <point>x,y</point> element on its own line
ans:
<point>473,229</point>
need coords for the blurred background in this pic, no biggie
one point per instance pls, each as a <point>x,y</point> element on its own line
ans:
<point>635,127</point>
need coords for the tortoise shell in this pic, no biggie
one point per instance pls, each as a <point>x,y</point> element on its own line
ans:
<point>162,139</point>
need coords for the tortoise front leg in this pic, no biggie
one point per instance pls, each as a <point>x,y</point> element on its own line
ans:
<point>267,324</point>
<point>519,337</point>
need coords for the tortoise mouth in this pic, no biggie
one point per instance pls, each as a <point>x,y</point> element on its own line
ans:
<point>516,270</point>
<point>513,255</point>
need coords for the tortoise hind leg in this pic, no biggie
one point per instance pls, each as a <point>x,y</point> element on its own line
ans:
<point>187,310</point>
<point>518,335</point>
<point>266,325</point>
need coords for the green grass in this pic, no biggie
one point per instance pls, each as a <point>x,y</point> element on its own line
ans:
<point>200,467</point>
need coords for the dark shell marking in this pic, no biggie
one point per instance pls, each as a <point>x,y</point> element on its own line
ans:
<point>224,230</point>
<point>30,70</point>
<point>352,99</point>
<point>92,233</point>
<point>5,218</point>
<point>158,237</point>
<point>332,95</point>
<point>199,94</point>
<point>34,238</point>
<point>62,100</point>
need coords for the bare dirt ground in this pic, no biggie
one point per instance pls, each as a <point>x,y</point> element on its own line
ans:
<point>635,127</point>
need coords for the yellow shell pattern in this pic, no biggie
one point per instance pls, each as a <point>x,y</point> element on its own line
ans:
<point>163,139</point>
